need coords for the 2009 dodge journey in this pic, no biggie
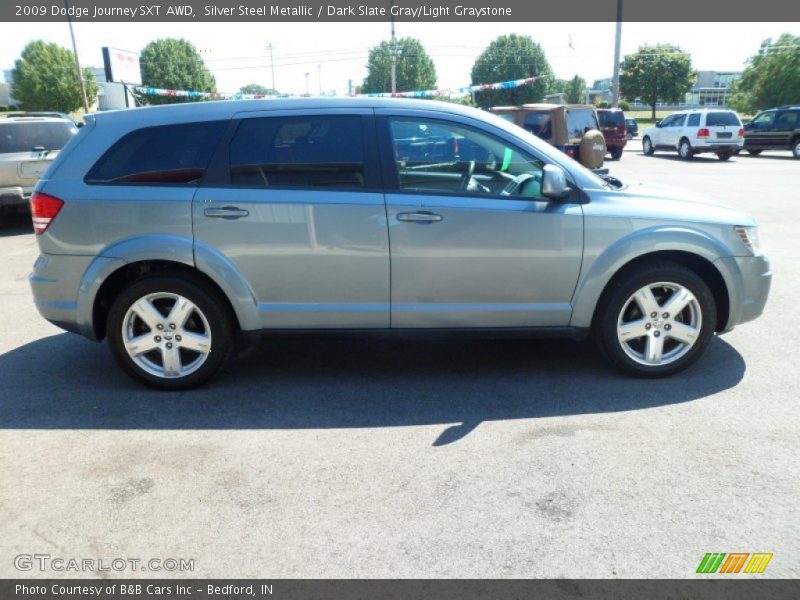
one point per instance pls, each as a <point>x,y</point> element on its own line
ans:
<point>172,230</point>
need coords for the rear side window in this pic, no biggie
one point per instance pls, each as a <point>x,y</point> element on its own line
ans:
<point>579,121</point>
<point>694,120</point>
<point>24,136</point>
<point>163,155</point>
<point>317,151</point>
<point>719,119</point>
<point>540,124</point>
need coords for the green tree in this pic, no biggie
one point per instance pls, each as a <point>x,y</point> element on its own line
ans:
<point>661,73</point>
<point>258,89</point>
<point>625,105</point>
<point>507,58</point>
<point>45,78</point>
<point>174,65</point>
<point>575,90</point>
<point>771,77</point>
<point>414,71</point>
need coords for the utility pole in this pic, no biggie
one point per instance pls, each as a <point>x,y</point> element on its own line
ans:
<point>617,44</point>
<point>394,51</point>
<point>78,62</point>
<point>308,93</point>
<point>272,67</point>
<point>319,78</point>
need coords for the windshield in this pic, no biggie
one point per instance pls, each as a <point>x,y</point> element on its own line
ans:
<point>24,136</point>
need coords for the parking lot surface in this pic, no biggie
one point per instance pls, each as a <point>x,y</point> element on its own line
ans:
<point>368,458</point>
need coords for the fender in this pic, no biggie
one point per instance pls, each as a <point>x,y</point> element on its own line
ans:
<point>171,248</point>
<point>596,274</point>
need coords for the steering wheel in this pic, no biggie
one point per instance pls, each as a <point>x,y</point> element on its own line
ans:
<point>514,186</point>
<point>467,176</point>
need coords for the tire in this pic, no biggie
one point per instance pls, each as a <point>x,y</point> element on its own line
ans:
<point>616,153</point>
<point>685,150</point>
<point>629,135</point>
<point>628,335</point>
<point>647,146</point>
<point>726,155</point>
<point>796,148</point>
<point>144,308</point>
<point>753,152</point>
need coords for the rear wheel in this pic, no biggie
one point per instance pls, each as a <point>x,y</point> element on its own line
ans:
<point>685,150</point>
<point>753,152</point>
<point>647,146</point>
<point>616,153</point>
<point>169,332</point>
<point>656,320</point>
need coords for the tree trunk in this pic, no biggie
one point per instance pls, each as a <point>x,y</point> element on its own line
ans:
<point>653,106</point>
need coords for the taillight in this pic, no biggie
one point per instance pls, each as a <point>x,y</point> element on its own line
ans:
<point>703,132</point>
<point>570,152</point>
<point>741,132</point>
<point>44,209</point>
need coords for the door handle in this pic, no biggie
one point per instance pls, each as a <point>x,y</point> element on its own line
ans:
<point>422,216</point>
<point>226,212</point>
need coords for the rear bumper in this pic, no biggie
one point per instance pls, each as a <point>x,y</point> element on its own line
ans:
<point>749,280</point>
<point>717,146</point>
<point>15,195</point>
<point>64,288</point>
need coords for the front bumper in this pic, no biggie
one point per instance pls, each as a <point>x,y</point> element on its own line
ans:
<point>749,279</point>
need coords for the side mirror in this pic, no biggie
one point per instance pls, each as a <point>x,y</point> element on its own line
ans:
<point>658,123</point>
<point>554,182</point>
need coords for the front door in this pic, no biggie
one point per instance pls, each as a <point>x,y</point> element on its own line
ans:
<point>473,242</point>
<point>294,202</point>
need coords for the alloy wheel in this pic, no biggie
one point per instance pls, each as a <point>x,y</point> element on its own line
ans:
<point>166,335</point>
<point>659,323</point>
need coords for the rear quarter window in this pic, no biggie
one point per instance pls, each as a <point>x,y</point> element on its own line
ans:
<point>579,121</point>
<point>162,155</point>
<point>720,119</point>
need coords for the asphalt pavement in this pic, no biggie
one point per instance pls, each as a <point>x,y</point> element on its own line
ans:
<point>376,458</point>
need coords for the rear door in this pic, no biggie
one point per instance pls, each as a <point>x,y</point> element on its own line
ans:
<point>469,247</point>
<point>786,124</point>
<point>293,199</point>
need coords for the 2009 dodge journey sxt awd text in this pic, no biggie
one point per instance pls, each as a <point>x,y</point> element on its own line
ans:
<point>170,230</point>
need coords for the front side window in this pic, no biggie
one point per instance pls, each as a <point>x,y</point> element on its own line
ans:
<point>449,158</point>
<point>765,119</point>
<point>678,121</point>
<point>315,151</point>
<point>163,155</point>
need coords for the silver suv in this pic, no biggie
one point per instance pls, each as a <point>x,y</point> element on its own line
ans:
<point>28,144</point>
<point>173,230</point>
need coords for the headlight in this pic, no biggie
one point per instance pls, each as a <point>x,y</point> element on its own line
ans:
<point>749,237</point>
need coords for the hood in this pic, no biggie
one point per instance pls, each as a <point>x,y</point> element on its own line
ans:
<point>649,201</point>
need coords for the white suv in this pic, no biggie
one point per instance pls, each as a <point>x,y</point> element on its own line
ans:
<point>691,132</point>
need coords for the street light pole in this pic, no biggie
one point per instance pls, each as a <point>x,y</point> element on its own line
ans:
<point>272,67</point>
<point>308,93</point>
<point>617,44</point>
<point>394,51</point>
<point>77,62</point>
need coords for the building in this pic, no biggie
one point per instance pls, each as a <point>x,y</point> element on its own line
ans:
<point>712,88</point>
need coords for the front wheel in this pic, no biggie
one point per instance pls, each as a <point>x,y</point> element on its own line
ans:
<point>753,152</point>
<point>656,320</point>
<point>170,332</point>
<point>796,148</point>
<point>647,147</point>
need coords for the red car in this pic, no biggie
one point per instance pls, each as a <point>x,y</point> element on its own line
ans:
<point>614,129</point>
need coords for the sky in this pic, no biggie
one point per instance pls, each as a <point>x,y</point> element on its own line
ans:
<point>332,54</point>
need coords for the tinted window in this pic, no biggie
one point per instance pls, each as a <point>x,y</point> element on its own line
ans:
<point>539,123</point>
<point>309,151</point>
<point>24,136</point>
<point>474,162</point>
<point>787,119</point>
<point>579,121</point>
<point>765,119</point>
<point>611,117</point>
<point>169,154</point>
<point>718,119</point>
<point>694,120</point>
